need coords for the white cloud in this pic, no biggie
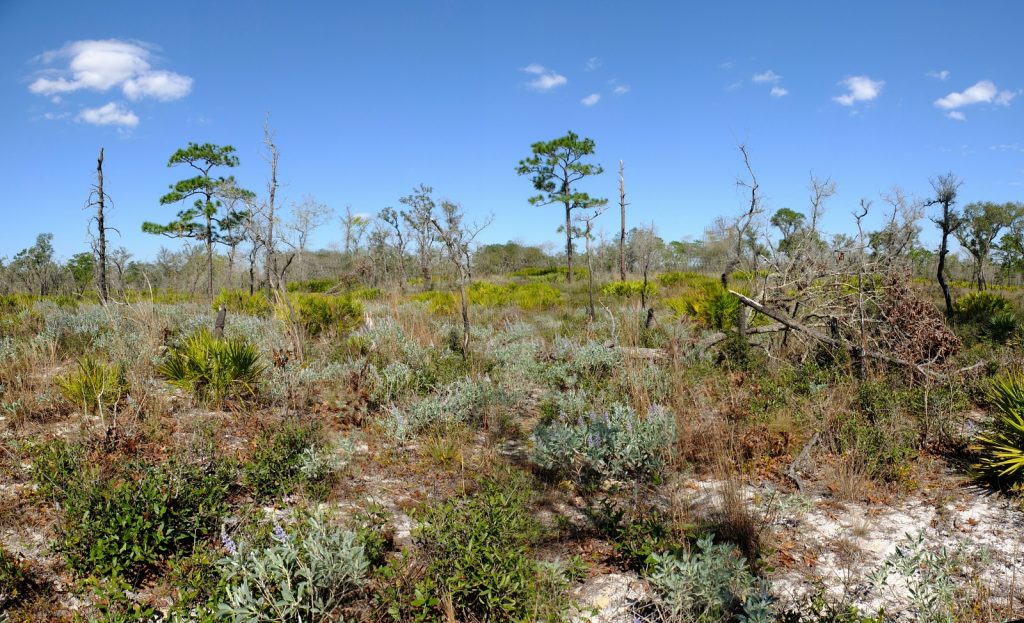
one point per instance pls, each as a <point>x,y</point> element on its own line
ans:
<point>100,65</point>
<point>622,89</point>
<point>769,77</point>
<point>162,85</point>
<point>1007,147</point>
<point>109,114</point>
<point>592,63</point>
<point>546,79</point>
<point>940,75</point>
<point>591,99</point>
<point>1005,97</point>
<point>983,92</point>
<point>779,92</point>
<point>734,86</point>
<point>859,89</point>
<point>726,65</point>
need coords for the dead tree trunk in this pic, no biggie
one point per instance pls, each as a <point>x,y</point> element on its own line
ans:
<point>101,225</point>
<point>622,229</point>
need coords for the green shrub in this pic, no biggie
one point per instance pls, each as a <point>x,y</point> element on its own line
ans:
<point>671,279</point>
<point>311,285</point>
<point>15,582</point>
<point>438,302</point>
<point>214,369</point>
<point>618,444</point>
<point>322,314</point>
<point>713,583</point>
<point>55,467</point>
<point>551,273</point>
<point>241,302</point>
<point>710,304</point>
<point>460,403</point>
<point>989,315</point>
<point>480,553</point>
<point>636,533</point>
<point>287,457</point>
<point>628,289</point>
<point>303,576</point>
<point>123,526</point>
<point>1001,446</point>
<point>526,296</point>
<point>93,385</point>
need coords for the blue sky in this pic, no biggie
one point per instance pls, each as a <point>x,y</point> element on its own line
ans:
<point>371,99</point>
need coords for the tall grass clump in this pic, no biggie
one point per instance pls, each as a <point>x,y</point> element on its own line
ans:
<point>214,369</point>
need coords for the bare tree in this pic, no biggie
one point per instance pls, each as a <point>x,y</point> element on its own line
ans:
<point>354,225</point>
<point>945,188</point>
<point>457,238</point>
<point>391,218</point>
<point>419,218</point>
<point>307,217</point>
<point>587,233</point>
<point>266,237</point>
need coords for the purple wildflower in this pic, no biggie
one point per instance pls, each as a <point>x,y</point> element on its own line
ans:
<point>228,543</point>
<point>279,533</point>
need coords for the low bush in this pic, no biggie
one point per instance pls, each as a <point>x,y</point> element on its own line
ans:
<point>241,302</point>
<point>322,314</point>
<point>986,314</point>
<point>709,304</point>
<point>479,549</point>
<point>287,457</point>
<point>551,273</point>
<point>618,444</point>
<point>214,369</point>
<point>93,385</point>
<point>526,296</point>
<point>709,584</point>
<point>628,289</point>
<point>311,285</point>
<point>636,532</point>
<point>307,575</point>
<point>460,403</point>
<point>121,526</point>
<point>15,582</point>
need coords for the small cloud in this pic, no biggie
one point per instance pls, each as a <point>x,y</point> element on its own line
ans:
<point>622,89</point>
<point>1007,147</point>
<point>162,85</point>
<point>956,115</point>
<point>50,116</point>
<point>591,99</point>
<point>100,65</point>
<point>546,79</point>
<point>779,92</point>
<point>983,92</point>
<point>859,89</point>
<point>726,65</point>
<point>592,63</point>
<point>734,86</point>
<point>769,77</point>
<point>109,114</point>
<point>939,75</point>
<point>1005,97</point>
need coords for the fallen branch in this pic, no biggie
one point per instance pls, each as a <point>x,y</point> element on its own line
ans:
<point>801,458</point>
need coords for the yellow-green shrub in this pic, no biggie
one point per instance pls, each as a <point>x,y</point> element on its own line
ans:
<point>323,314</point>
<point>94,385</point>
<point>241,302</point>
<point>526,296</point>
<point>438,302</point>
<point>628,289</point>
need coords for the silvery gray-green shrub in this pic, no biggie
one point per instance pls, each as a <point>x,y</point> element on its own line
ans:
<point>709,585</point>
<point>617,444</point>
<point>304,576</point>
